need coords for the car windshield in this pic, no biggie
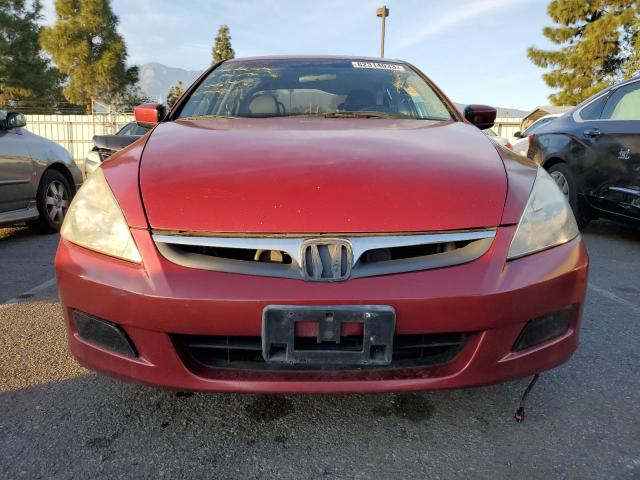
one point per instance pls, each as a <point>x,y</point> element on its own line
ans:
<point>324,88</point>
<point>537,126</point>
<point>132,128</point>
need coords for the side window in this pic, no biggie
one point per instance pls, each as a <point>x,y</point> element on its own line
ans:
<point>624,103</point>
<point>593,110</point>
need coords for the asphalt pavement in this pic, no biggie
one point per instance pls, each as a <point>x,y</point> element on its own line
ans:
<point>58,420</point>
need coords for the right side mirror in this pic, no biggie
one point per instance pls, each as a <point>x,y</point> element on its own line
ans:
<point>15,120</point>
<point>518,134</point>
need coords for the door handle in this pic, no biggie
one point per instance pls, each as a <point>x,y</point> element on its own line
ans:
<point>592,133</point>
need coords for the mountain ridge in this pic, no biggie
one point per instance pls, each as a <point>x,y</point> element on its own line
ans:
<point>155,79</point>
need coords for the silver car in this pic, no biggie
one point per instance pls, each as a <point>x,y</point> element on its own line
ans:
<point>38,178</point>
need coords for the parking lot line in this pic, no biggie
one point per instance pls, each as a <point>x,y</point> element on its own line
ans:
<point>24,296</point>
<point>615,298</point>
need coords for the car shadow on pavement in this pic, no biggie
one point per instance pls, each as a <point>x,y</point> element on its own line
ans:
<point>91,426</point>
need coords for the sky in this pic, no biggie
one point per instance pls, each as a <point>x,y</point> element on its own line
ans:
<point>474,50</point>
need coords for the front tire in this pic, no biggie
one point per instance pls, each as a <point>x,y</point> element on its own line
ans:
<point>52,199</point>
<point>563,176</point>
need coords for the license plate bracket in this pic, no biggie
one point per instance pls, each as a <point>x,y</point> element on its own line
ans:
<point>279,343</point>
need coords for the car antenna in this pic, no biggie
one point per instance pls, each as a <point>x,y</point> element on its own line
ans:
<point>519,416</point>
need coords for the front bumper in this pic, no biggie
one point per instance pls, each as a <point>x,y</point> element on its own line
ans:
<point>489,299</point>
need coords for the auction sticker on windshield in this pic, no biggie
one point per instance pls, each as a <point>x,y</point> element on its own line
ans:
<point>381,66</point>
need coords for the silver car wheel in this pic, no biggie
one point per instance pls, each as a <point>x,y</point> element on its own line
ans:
<point>57,201</point>
<point>562,182</point>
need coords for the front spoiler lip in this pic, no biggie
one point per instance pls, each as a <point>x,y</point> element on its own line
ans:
<point>469,369</point>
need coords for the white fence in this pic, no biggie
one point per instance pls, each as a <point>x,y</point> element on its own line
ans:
<point>75,132</point>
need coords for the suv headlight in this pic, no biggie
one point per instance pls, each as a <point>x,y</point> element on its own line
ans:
<point>94,221</point>
<point>547,220</point>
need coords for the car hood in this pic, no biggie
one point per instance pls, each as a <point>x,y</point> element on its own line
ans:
<point>320,176</point>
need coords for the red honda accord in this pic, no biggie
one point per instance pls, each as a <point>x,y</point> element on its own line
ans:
<point>319,224</point>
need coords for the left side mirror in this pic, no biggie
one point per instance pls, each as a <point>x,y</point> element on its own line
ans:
<point>15,120</point>
<point>481,116</point>
<point>148,114</point>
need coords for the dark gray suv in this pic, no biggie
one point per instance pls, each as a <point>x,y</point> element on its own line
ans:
<point>38,178</point>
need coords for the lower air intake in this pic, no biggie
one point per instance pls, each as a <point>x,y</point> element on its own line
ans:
<point>246,352</point>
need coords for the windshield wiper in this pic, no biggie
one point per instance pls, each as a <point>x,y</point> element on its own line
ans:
<point>201,117</point>
<point>361,115</point>
<point>345,114</point>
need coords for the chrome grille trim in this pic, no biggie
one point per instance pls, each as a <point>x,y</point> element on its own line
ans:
<point>479,243</point>
<point>363,244</point>
<point>290,245</point>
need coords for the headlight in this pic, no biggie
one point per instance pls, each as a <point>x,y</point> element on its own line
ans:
<point>547,220</point>
<point>94,220</point>
<point>92,162</point>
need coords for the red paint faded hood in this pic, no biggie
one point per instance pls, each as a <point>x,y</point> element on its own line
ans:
<point>321,176</point>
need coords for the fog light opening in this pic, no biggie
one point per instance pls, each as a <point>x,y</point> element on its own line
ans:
<point>103,333</point>
<point>543,329</point>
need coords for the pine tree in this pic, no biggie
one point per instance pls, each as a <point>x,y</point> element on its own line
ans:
<point>599,42</point>
<point>131,97</point>
<point>632,41</point>
<point>86,46</point>
<point>27,81</point>
<point>174,93</point>
<point>222,49</point>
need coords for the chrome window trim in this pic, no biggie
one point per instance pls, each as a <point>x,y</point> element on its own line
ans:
<point>576,114</point>
<point>629,191</point>
<point>293,246</point>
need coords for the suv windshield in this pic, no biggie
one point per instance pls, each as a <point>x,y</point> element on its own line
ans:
<point>326,88</point>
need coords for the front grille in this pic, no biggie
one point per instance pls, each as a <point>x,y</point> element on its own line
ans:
<point>105,153</point>
<point>239,352</point>
<point>319,258</point>
<point>239,254</point>
<point>410,251</point>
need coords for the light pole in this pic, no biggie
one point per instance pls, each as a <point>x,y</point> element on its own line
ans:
<point>382,12</point>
